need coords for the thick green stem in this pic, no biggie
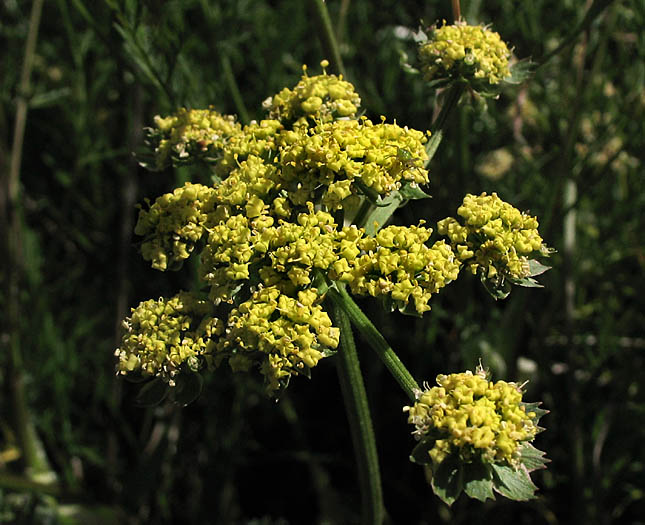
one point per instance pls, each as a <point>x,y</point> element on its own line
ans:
<point>360,421</point>
<point>342,299</point>
<point>327,36</point>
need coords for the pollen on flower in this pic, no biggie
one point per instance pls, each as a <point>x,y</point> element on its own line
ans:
<point>472,417</point>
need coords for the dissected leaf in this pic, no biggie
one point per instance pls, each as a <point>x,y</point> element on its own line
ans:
<point>478,480</point>
<point>526,282</point>
<point>420,454</point>
<point>532,458</point>
<point>152,393</point>
<point>520,71</point>
<point>535,407</point>
<point>447,482</point>
<point>411,191</point>
<point>513,483</point>
<point>537,268</point>
<point>188,388</point>
<point>497,288</point>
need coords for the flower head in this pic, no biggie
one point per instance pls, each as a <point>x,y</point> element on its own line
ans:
<point>493,238</point>
<point>473,53</point>
<point>473,418</point>
<point>321,98</point>
<point>162,335</point>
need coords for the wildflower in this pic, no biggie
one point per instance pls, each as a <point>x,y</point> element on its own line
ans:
<point>461,51</point>
<point>174,224</point>
<point>285,335</point>
<point>397,264</point>
<point>472,418</point>
<point>320,98</point>
<point>189,134</point>
<point>493,238</point>
<point>160,336</point>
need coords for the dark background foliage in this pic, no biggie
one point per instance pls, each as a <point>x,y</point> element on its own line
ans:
<point>566,145</point>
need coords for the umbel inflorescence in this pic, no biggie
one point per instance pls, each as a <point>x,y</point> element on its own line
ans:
<point>462,51</point>
<point>283,218</point>
<point>472,417</point>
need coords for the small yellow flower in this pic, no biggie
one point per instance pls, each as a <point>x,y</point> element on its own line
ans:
<point>472,417</point>
<point>462,50</point>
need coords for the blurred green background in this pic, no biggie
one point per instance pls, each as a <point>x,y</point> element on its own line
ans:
<point>566,145</point>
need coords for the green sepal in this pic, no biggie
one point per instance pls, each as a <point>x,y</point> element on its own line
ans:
<point>420,453</point>
<point>535,407</point>
<point>152,393</point>
<point>537,268</point>
<point>520,71</point>
<point>532,458</point>
<point>478,480</point>
<point>526,282</point>
<point>498,287</point>
<point>447,479</point>
<point>412,191</point>
<point>390,305</point>
<point>187,388</point>
<point>513,483</point>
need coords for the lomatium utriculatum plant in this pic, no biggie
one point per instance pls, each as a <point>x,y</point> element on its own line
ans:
<point>295,223</point>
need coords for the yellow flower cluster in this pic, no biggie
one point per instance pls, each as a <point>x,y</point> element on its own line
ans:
<point>339,155</point>
<point>174,223</point>
<point>266,227</point>
<point>461,50</point>
<point>472,417</point>
<point>190,133</point>
<point>493,237</point>
<point>321,98</point>
<point>160,336</point>
<point>288,333</point>
<point>257,139</point>
<point>396,263</point>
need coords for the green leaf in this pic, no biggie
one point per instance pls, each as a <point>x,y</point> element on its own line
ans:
<point>188,388</point>
<point>532,458</point>
<point>447,481</point>
<point>498,288</point>
<point>381,215</point>
<point>535,407</point>
<point>526,282</point>
<point>478,480</point>
<point>520,71</point>
<point>433,144</point>
<point>537,268</point>
<point>152,393</point>
<point>513,483</point>
<point>412,191</point>
<point>420,454</point>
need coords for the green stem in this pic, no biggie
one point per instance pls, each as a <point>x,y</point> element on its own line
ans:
<point>360,421</point>
<point>436,128</point>
<point>11,229</point>
<point>327,36</point>
<point>452,97</point>
<point>234,89</point>
<point>342,299</point>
